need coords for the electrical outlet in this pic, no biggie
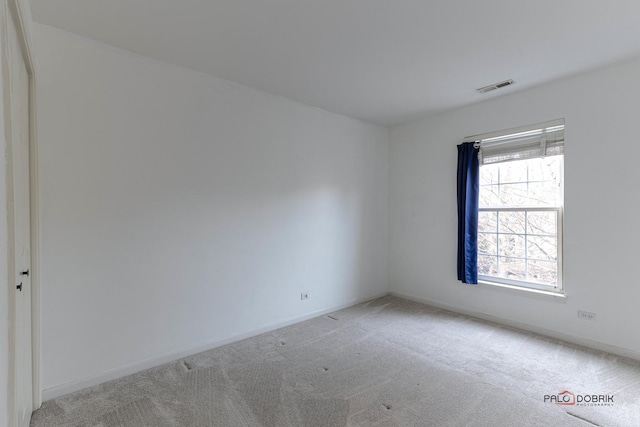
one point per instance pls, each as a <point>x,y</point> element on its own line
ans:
<point>304,296</point>
<point>586,315</point>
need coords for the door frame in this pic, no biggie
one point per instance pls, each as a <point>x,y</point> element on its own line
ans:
<point>21,11</point>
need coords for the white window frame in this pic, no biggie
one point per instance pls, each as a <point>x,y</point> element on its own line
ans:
<point>518,284</point>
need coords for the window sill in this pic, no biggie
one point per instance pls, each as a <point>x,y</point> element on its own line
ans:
<point>558,296</point>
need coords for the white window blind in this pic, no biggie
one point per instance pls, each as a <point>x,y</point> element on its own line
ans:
<point>545,139</point>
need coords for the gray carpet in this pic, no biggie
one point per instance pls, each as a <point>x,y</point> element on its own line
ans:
<point>388,362</point>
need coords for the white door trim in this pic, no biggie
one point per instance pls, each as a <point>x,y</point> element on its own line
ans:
<point>22,13</point>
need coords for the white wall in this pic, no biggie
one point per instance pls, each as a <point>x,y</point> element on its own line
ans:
<point>180,210</point>
<point>4,247</point>
<point>601,221</point>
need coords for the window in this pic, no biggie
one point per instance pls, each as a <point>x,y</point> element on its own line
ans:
<point>521,207</point>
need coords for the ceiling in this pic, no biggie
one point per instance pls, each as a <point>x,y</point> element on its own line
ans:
<point>383,61</point>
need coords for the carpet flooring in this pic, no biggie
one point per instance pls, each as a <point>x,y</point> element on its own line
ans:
<point>387,362</point>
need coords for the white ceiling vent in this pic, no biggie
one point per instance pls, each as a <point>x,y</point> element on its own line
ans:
<point>495,86</point>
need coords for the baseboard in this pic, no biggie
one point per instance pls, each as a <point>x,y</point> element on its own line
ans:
<point>581,341</point>
<point>132,368</point>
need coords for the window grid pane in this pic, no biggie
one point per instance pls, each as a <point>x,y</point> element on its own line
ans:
<point>518,255</point>
<point>532,182</point>
<point>518,220</point>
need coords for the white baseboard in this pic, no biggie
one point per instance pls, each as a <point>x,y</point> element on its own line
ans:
<point>132,368</point>
<point>585,342</point>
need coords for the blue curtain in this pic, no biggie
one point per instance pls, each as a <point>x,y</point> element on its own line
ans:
<point>468,198</point>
